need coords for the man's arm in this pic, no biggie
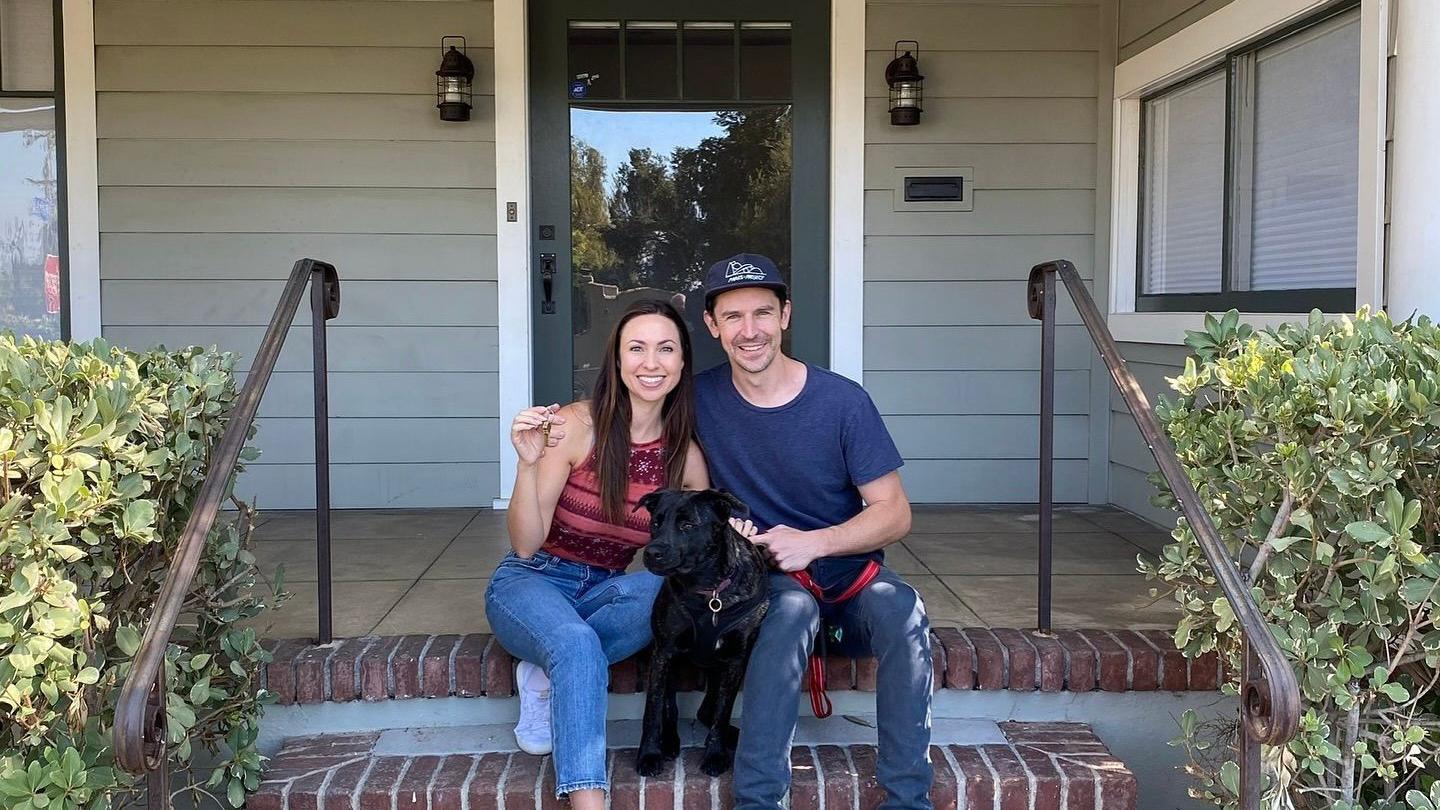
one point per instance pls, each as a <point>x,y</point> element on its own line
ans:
<point>885,519</point>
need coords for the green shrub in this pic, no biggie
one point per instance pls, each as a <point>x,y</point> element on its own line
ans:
<point>1314,447</point>
<point>102,453</point>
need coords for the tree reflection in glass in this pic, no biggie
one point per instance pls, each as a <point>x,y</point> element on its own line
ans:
<point>658,196</point>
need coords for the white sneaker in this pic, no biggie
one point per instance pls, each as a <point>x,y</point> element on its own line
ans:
<point>532,733</point>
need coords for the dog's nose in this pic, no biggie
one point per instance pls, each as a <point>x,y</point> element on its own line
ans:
<point>656,557</point>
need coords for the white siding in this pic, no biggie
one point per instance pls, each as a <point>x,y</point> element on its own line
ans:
<point>951,357</point>
<point>236,138</point>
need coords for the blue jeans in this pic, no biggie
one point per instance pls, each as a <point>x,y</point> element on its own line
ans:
<point>573,620</point>
<point>886,620</point>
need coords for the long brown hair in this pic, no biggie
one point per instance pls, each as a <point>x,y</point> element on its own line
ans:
<point>610,412</point>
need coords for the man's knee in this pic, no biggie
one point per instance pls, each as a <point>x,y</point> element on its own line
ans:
<point>895,612</point>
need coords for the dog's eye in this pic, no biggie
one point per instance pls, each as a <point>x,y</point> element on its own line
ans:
<point>687,526</point>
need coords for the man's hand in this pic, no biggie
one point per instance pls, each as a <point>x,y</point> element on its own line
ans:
<point>791,549</point>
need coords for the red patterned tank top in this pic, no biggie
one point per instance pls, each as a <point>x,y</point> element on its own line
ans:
<point>579,530</point>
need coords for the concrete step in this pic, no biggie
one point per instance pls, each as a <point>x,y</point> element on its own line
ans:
<point>382,668</point>
<point>1036,766</point>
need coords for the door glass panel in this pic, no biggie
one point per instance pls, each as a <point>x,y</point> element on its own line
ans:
<point>652,66</point>
<point>29,219</point>
<point>656,197</point>
<point>709,60</point>
<point>764,60</point>
<point>594,49</point>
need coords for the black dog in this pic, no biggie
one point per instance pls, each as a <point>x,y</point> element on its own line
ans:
<point>708,612</point>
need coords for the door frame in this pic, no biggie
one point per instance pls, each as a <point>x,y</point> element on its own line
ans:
<point>512,185</point>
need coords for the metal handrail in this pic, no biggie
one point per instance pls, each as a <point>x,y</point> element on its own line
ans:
<point>139,734</point>
<point>1270,698</point>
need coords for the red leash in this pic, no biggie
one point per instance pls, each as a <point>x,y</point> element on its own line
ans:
<point>819,701</point>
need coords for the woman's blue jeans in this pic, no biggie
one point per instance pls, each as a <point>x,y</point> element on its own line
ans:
<point>574,621</point>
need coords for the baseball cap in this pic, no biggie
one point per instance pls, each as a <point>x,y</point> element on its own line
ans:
<point>743,270</point>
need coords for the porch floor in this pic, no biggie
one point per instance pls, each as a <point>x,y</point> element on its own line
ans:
<point>425,570</point>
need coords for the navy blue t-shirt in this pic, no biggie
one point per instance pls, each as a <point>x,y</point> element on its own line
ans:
<point>798,465</point>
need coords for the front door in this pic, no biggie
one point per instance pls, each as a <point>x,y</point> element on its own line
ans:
<point>664,137</point>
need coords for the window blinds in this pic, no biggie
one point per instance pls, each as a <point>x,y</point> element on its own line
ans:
<point>1184,188</point>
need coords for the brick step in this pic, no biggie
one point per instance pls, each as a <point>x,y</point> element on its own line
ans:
<point>377,668</point>
<point>1040,766</point>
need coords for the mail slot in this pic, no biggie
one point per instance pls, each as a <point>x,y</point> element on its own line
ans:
<point>934,189</point>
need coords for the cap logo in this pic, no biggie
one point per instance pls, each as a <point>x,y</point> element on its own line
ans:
<point>738,271</point>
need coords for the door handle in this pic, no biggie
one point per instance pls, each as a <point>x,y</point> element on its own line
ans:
<point>547,280</point>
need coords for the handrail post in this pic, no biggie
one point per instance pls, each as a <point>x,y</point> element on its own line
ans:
<point>323,290</point>
<point>1047,445</point>
<point>1251,781</point>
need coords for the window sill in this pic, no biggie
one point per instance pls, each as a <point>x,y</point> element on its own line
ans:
<point>1170,327</point>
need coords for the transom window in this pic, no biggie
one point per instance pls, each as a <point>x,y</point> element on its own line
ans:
<point>1249,178</point>
<point>647,60</point>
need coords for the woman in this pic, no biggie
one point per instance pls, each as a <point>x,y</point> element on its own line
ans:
<point>561,601</point>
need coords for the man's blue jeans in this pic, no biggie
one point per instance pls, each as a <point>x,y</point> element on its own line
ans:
<point>574,621</point>
<point>886,620</point>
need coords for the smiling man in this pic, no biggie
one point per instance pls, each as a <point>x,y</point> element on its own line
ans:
<point>807,451</point>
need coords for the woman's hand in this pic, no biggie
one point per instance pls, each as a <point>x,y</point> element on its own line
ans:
<point>746,528</point>
<point>535,429</point>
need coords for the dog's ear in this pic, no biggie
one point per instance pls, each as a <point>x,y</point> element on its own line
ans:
<point>729,504</point>
<point>650,501</point>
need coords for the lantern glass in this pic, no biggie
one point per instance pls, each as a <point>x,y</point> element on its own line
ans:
<point>906,95</point>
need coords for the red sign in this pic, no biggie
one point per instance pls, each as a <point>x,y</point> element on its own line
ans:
<point>52,284</point>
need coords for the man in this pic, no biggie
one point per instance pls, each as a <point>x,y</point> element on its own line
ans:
<point>807,450</point>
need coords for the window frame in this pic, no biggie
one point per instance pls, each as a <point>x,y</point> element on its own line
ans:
<point>62,202</point>
<point>1210,44</point>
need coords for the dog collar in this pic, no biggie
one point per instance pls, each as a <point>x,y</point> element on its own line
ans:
<point>715,604</point>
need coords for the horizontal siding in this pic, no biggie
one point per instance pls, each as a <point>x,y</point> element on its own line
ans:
<point>238,138</point>
<point>997,212</point>
<point>998,165</point>
<point>330,164</point>
<point>941,393</point>
<point>422,304</point>
<point>991,120</point>
<point>331,23</point>
<point>297,210</point>
<point>971,258</point>
<point>1130,459</point>
<point>960,26</point>
<point>954,348</point>
<point>994,74</point>
<point>348,348</point>
<point>935,303</point>
<point>417,257</point>
<point>985,481</point>
<point>411,394</point>
<point>951,355</point>
<point>985,437</point>
<point>398,440</point>
<point>288,69</point>
<point>301,116</point>
<point>368,486</point>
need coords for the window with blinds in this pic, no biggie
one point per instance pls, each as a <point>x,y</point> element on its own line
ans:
<point>1250,178</point>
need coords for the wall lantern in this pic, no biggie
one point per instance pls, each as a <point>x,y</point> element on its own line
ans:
<point>906,86</point>
<point>452,82</point>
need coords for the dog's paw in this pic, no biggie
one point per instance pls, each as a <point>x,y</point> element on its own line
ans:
<point>716,763</point>
<point>650,764</point>
<point>670,744</point>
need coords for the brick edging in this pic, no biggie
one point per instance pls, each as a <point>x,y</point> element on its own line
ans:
<point>1041,766</point>
<point>375,668</point>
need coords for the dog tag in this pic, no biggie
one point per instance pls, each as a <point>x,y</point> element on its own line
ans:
<point>715,605</point>
<point>545,433</point>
